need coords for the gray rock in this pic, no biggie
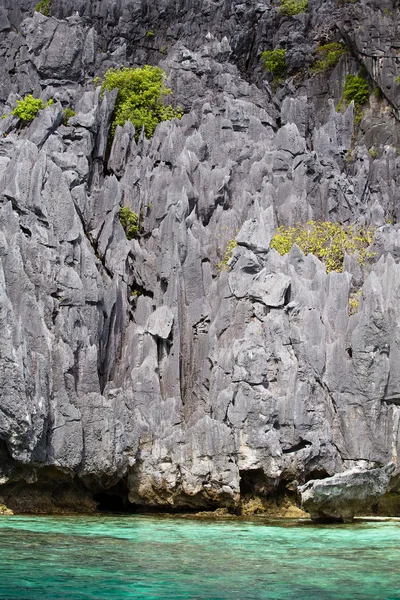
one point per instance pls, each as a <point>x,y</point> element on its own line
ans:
<point>229,371</point>
<point>160,322</point>
<point>345,495</point>
<point>270,289</point>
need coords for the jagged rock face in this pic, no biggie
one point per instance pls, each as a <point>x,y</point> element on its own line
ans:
<point>345,495</point>
<point>141,360</point>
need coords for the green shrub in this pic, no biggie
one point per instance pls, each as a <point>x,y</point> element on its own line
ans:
<point>328,241</point>
<point>68,113</point>
<point>139,100</point>
<point>230,247</point>
<point>354,302</point>
<point>28,108</point>
<point>129,221</point>
<point>44,7</point>
<point>355,88</point>
<point>328,56</point>
<point>274,61</point>
<point>293,7</point>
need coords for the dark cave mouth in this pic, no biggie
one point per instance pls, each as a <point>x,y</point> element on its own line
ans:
<point>112,502</point>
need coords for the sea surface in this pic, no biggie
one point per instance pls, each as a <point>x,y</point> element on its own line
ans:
<point>155,558</point>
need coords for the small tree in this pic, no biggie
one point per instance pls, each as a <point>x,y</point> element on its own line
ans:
<point>129,221</point>
<point>140,98</point>
<point>274,61</point>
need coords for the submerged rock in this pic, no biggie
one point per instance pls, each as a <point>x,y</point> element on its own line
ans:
<point>345,495</point>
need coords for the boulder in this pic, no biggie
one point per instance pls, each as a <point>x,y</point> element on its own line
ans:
<point>160,322</point>
<point>345,495</point>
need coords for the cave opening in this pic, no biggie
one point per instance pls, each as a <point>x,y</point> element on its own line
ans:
<point>253,482</point>
<point>115,499</point>
<point>317,474</point>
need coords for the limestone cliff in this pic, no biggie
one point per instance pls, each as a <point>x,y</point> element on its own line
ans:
<point>139,367</point>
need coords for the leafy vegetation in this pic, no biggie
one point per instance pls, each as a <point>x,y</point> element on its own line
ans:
<point>274,61</point>
<point>140,98</point>
<point>28,108</point>
<point>293,7</point>
<point>354,302</point>
<point>68,113</point>
<point>328,56</point>
<point>328,241</point>
<point>349,156</point>
<point>230,247</point>
<point>129,221</point>
<point>356,89</point>
<point>43,7</point>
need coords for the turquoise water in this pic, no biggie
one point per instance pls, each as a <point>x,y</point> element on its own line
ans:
<point>149,558</point>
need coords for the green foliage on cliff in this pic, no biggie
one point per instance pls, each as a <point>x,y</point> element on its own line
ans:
<point>274,61</point>
<point>43,7</point>
<point>230,247</point>
<point>140,98</point>
<point>68,113</point>
<point>293,7</point>
<point>354,302</point>
<point>356,88</point>
<point>28,108</point>
<point>129,221</point>
<point>328,56</point>
<point>328,241</point>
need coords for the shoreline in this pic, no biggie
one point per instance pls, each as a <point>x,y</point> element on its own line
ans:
<point>206,516</point>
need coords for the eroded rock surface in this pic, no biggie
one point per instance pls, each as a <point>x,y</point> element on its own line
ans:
<point>140,367</point>
<point>345,495</point>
